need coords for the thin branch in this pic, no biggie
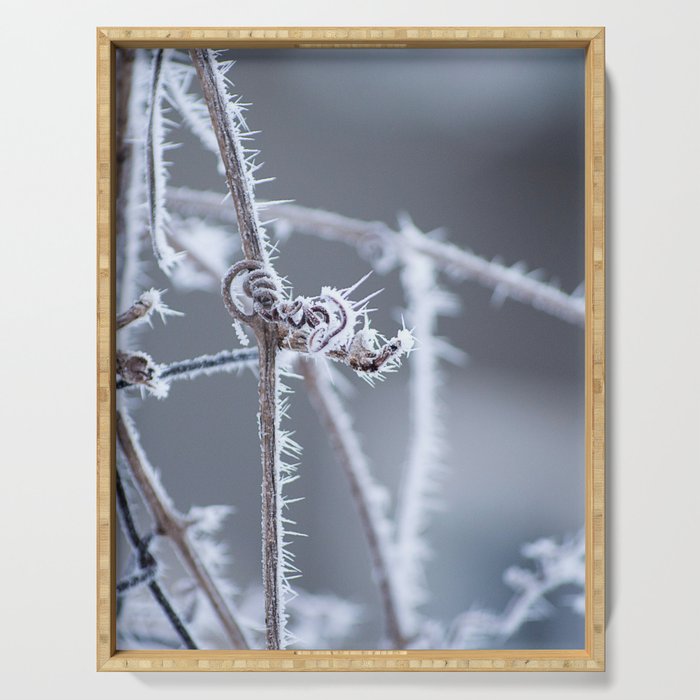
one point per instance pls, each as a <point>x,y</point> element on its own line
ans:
<point>155,167</point>
<point>223,113</point>
<point>224,361</point>
<point>420,483</point>
<point>132,223</point>
<point>191,108</point>
<point>238,176</point>
<point>367,495</point>
<point>381,244</point>
<point>506,282</point>
<point>170,523</point>
<point>144,307</point>
<point>147,566</point>
<point>204,365</point>
<point>557,565</point>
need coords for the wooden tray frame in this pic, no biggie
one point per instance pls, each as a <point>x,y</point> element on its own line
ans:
<point>592,657</point>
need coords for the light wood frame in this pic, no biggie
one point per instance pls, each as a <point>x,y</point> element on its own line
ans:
<point>592,657</point>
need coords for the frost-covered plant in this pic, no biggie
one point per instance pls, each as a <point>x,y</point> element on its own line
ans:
<point>295,336</point>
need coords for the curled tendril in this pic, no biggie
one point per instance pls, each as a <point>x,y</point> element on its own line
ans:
<point>323,324</point>
<point>327,316</point>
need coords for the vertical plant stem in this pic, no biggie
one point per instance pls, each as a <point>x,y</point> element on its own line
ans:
<point>171,524</point>
<point>348,452</point>
<point>271,508</point>
<point>420,483</point>
<point>253,245</point>
<point>233,159</point>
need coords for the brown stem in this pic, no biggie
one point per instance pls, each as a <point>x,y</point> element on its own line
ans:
<point>234,162</point>
<point>171,524</point>
<point>140,308</point>
<point>266,336</point>
<point>348,453</point>
<point>270,491</point>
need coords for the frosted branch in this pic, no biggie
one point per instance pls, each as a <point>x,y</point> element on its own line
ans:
<point>381,245</point>
<point>420,485</point>
<point>371,500</point>
<point>142,310</point>
<point>147,567</point>
<point>227,119</point>
<point>174,526</point>
<point>205,365</point>
<point>131,222</point>
<point>193,110</point>
<point>146,370</point>
<point>556,565</point>
<point>156,174</point>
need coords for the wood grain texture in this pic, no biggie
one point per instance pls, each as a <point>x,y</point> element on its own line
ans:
<point>592,658</point>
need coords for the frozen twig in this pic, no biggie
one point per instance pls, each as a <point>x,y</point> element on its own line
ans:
<point>418,495</point>
<point>147,567</point>
<point>224,361</point>
<point>142,310</point>
<point>138,369</point>
<point>174,526</point>
<point>381,245</point>
<point>369,497</point>
<point>131,195</point>
<point>557,565</point>
<point>226,118</point>
<point>192,109</point>
<point>155,165</point>
<point>145,370</point>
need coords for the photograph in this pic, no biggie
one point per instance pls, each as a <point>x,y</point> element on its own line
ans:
<point>351,360</point>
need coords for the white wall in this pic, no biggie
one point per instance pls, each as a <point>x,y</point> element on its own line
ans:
<point>47,348</point>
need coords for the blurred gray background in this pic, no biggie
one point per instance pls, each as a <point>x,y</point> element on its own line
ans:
<point>487,144</point>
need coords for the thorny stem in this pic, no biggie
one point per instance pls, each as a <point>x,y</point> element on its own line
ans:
<point>147,563</point>
<point>266,336</point>
<point>271,505</point>
<point>233,159</point>
<point>172,525</point>
<point>224,361</point>
<point>347,447</point>
<point>380,241</point>
<point>423,468</point>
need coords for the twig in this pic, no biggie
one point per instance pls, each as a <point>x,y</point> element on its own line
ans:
<point>144,307</point>
<point>420,481</point>
<point>170,523</point>
<point>240,184</point>
<point>381,244</point>
<point>557,565</point>
<point>365,492</point>
<point>224,361</point>
<point>147,565</point>
<point>132,225</point>
<point>155,168</point>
